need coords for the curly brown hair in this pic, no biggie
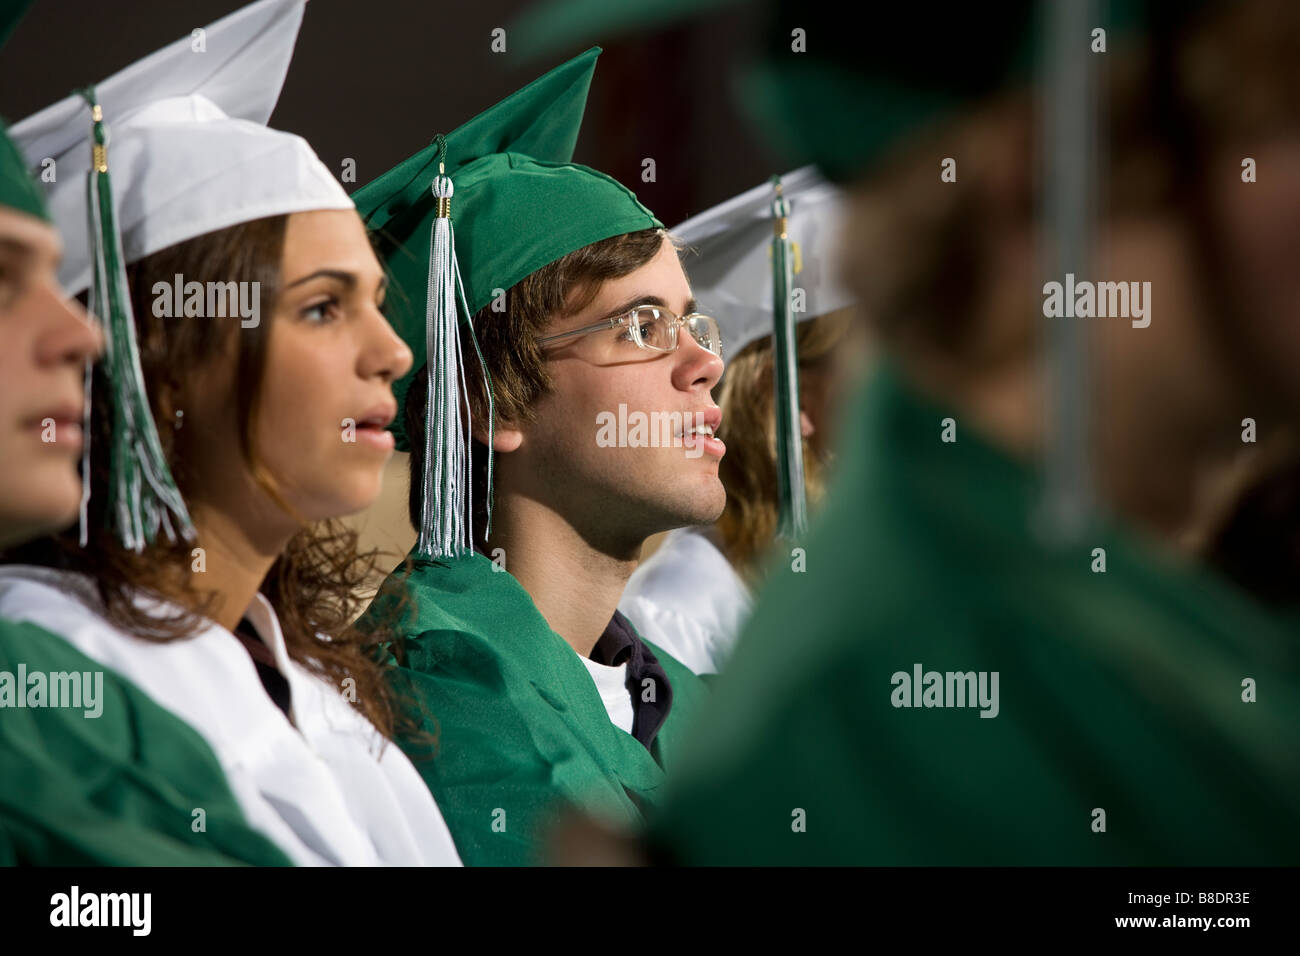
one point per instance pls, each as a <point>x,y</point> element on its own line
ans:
<point>315,583</point>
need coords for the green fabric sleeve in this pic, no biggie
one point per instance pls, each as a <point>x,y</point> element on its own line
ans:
<point>120,788</point>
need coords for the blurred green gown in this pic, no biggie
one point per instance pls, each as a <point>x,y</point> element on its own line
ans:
<point>1119,691</point>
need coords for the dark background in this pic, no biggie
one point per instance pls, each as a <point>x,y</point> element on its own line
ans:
<point>375,80</point>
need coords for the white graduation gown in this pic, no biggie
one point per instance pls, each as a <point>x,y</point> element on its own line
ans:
<point>326,788</point>
<point>687,599</point>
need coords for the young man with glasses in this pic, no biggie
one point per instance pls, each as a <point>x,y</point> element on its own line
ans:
<point>526,688</point>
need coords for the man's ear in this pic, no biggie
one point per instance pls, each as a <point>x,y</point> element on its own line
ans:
<point>504,437</point>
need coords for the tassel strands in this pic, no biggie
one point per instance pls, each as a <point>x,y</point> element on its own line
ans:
<point>446,527</point>
<point>143,497</point>
<point>789,434</point>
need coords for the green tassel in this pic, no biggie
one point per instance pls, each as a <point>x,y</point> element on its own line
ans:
<point>446,525</point>
<point>143,498</point>
<point>789,435</point>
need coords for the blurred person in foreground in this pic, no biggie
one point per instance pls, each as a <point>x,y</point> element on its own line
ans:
<point>944,685</point>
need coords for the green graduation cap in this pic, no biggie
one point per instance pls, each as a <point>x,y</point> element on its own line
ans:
<point>17,188</point>
<point>466,218</point>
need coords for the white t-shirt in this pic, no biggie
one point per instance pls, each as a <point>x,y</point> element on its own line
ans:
<point>688,600</point>
<point>612,684</point>
<point>326,787</point>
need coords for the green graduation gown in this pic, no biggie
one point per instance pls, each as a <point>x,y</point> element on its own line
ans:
<point>1120,691</point>
<point>512,726</point>
<point>113,790</point>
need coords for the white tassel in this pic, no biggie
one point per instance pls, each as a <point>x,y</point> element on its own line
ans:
<point>446,528</point>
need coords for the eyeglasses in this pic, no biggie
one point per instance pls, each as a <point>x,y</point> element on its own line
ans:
<point>654,328</point>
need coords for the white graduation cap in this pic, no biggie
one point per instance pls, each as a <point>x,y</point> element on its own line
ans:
<point>187,141</point>
<point>729,255</point>
<point>759,263</point>
<point>171,148</point>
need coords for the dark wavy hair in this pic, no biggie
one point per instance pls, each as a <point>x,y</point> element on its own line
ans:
<point>315,585</point>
